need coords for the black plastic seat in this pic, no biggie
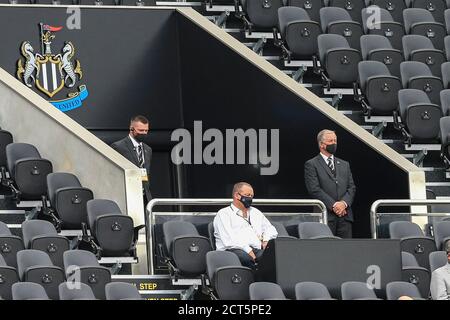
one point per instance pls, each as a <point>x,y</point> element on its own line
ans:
<point>420,118</point>
<point>122,291</point>
<point>36,266</point>
<point>415,274</point>
<point>412,240</point>
<point>394,7</point>
<point>441,233</point>
<point>266,291</point>
<point>396,289</point>
<point>338,21</point>
<point>354,290</point>
<point>5,139</point>
<point>420,48</point>
<point>8,276</point>
<point>42,235</point>
<point>69,199</point>
<point>83,266</point>
<point>379,88</point>
<point>9,245</point>
<point>113,231</point>
<point>417,75</point>
<point>186,248</point>
<point>339,62</point>
<point>435,7</point>
<point>437,259</point>
<point>421,22</point>
<point>311,291</point>
<point>75,291</point>
<point>386,26</point>
<point>353,7</point>
<point>298,32</point>
<point>28,170</point>
<point>29,291</point>
<point>379,48</point>
<point>312,7</point>
<point>315,230</point>
<point>281,230</point>
<point>228,278</point>
<point>261,13</point>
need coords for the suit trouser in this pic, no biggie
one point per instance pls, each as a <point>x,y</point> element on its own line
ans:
<point>245,258</point>
<point>341,227</point>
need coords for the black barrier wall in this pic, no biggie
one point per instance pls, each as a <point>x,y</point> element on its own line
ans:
<point>160,64</point>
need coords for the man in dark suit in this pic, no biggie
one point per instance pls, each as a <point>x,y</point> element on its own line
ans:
<point>134,149</point>
<point>330,180</point>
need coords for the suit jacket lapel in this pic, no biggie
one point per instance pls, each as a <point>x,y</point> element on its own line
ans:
<point>133,153</point>
<point>324,165</point>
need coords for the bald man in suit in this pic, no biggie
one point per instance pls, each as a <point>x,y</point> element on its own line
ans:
<point>330,180</point>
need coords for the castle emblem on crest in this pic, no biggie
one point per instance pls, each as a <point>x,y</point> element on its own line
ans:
<point>49,72</point>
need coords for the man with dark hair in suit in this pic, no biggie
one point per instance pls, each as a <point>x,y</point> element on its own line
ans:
<point>330,180</point>
<point>134,149</point>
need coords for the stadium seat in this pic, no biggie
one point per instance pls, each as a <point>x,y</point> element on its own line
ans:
<point>421,22</point>
<point>314,230</point>
<point>42,235</point>
<point>414,274</point>
<point>412,240</point>
<point>396,289</point>
<point>186,248</point>
<point>9,245</point>
<point>99,2</point>
<point>113,231</point>
<point>28,291</point>
<point>212,238</point>
<point>281,229</point>
<point>8,276</point>
<point>417,75</point>
<point>338,21</point>
<point>339,62</point>
<point>445,69</point>
<point>68,198</point>
<point>36,266</point>
<point>353,7</point>
<point>379,48</point>
<point>228,278</point>
<point>354,290</point>
<point>437,259</point>
<point>28,170</point>
<point>5,139</point>
<point>260,13</point>
<point>312,7</point>
<point>441,233</point>
<point>386,27</point>
<point>435,7</point>
<point>445,140</point>
<point>311,291</point>
<point>122,291</point>
<point>379,88</point>
<point>420,48</point>
<point>420,118</point>
<point>395,7</point>
<point>78,291</point>
<point>138,2</point>
<point>266,291</point>
<point>298,33</point>
<point>83,266</point>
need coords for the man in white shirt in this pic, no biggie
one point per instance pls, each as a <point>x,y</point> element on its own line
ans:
<point>241,228</point>
<point>440,279</point>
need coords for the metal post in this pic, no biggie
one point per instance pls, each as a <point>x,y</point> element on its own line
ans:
<point>150,221</point>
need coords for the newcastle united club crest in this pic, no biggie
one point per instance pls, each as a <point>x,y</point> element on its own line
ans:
<point>50,73</point>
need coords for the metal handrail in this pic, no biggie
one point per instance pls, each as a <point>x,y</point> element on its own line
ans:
<point>221,201</point>
<point>401,203</point>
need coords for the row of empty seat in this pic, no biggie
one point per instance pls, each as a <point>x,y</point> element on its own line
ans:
<point>351,290</point>
<point>36,266</point>
<point>84,2</point>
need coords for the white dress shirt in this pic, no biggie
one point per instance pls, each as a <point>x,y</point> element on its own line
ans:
<point>136,146</point>
<point>440,283</point>
<point>325,158</point>
<point>233,231</point>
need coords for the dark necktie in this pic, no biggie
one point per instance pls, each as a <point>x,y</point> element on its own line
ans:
<point>330,164</point>
<point>140,156</point>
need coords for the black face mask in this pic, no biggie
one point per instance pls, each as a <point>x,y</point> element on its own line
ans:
<point>246,201</point>
<point>331,148</point>
<point>140,137</point>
